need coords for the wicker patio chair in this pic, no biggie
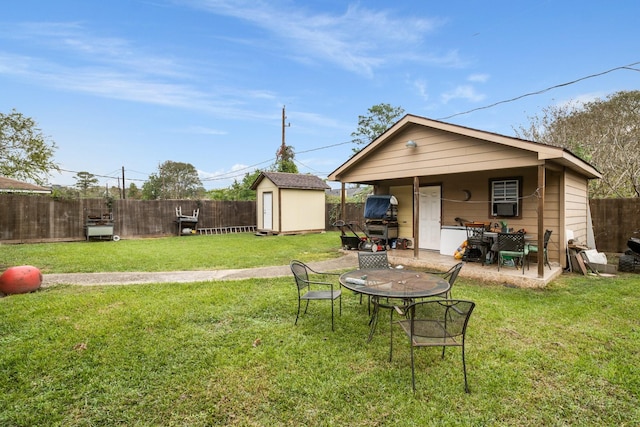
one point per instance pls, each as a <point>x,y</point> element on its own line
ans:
<point>308,289</point>
<point>435,323</point>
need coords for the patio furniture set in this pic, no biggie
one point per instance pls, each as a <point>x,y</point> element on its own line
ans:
<point>503,248</point>
<point>428,315</point>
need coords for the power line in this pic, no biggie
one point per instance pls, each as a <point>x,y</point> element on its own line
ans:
<point>239,172</point>
<point>100,176</point>
<point>623,67</point>
<point>324,147</point>
<point>235,173</point>
<point>306,166</point>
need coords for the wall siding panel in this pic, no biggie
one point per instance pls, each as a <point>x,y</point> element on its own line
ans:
<point>438,152</point>
<point>576,206</point>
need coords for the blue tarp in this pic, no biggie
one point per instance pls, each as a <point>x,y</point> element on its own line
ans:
<point>376,206</point>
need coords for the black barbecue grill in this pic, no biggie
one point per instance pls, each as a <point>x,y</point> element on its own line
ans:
<point>381,219</point>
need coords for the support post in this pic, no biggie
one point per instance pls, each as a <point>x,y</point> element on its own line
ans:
<point>541,229</point>
<point>343,202</point>
<point>416,217</point>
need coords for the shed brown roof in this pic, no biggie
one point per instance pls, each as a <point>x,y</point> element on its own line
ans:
<point>9,185</point>
<point>292,181</point>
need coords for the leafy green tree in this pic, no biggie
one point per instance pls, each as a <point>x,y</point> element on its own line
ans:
<point>25,153</point>
<point>111,193</point>
<point>217,194</point>
<point>85,181</point>
<point>152,187</point>
<point>174,180</point>
<point>285,160</point>
<point>604,132</point>
<point>133,192</point>
<point>64,193</point>
<point>380,118</point>
<point>245,191</point>
<point>238,190</point>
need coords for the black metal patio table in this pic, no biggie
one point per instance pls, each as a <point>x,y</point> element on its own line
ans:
<point>401,284</point>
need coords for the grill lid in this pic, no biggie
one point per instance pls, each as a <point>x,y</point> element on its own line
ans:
<point>377,206</point>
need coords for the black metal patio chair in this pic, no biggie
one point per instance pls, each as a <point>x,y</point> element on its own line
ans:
<point>308,288</point>
<point>534,249</point>
<point>372,261</point>
<point>477,245</point>
<point>512,245</point>
<point>435,323</point>
<point>450,276</point>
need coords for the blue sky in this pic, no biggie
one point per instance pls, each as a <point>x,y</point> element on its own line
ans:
<point>133,83</point>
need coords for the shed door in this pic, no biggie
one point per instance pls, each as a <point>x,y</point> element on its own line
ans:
<point>267,211</point>
<point>429,218</point>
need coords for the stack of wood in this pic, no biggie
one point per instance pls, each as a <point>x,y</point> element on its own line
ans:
<point>588,261</point>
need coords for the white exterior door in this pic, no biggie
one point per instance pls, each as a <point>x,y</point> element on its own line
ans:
<point>267,211</point>
<point>429,221</point>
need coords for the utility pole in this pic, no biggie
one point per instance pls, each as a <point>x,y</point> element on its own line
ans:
<point>123,195</point>
<point>284,126</point>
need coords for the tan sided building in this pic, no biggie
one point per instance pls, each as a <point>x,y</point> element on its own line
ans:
<point>289,203</point>
<point>440,172</point>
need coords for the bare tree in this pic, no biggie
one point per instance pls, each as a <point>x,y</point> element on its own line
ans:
<point>605,133</point>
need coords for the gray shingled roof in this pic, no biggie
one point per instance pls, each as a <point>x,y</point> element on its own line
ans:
<point>292,180</point>
<point>9,185</point>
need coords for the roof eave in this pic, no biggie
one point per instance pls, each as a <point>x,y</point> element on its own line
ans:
<point>544,152</point>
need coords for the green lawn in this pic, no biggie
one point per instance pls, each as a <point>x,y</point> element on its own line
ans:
<point>227,353</point>
<point>199,252</point>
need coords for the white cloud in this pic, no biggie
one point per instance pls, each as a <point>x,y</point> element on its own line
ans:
<point>70,38</point>
<point>465,92</point>
<point>421,87</point>
<point>478,78</point>
<point>225,178</point>
<point>78,61</point>
<point>359,40</point>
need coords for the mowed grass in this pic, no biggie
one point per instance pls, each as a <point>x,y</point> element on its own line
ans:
<point>228,353</point>
<point>199,252</point>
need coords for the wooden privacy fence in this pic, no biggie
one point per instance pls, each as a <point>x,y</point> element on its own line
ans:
<point>614,221</point>
<point>36,218</point>
<point>43,219</point>
<point>354,212</point>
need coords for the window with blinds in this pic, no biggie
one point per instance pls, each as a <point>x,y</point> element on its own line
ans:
<point>505,198</point>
